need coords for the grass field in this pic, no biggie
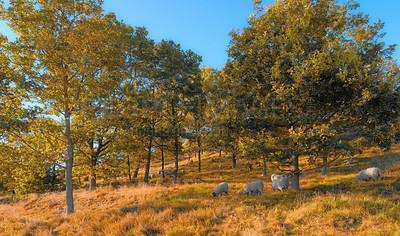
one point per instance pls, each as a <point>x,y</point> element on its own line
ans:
<point>326,205</point>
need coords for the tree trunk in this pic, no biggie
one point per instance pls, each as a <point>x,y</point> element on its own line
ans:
<point>199,146</point>
<point>147,170</point>
<point>233,160</point>
<point>129,169</point>
<point>69,163</point>
<point>264,167</point>
<point>324,166</point>
<point>174,125</point>
<point>176,160</point>
<point>92,183</point>
<point>136,172</point>
<point>53,178</point>
<point>199,162</point>
<point>162,160</point>
<point>295,182</point>
<point>220,153</point>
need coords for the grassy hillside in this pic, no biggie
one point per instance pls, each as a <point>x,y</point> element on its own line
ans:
<point>326,205</point>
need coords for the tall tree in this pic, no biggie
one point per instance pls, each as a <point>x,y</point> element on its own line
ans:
<point>142,103</point>
<point>61,47</point>
<point>224,122</point>
<point>177,71</point>
<point>310,65</point>
<point>197,118</point>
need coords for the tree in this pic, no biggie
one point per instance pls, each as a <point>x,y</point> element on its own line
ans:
<point>141,95</point>
<point>176,73</point>
<point>68,50</point>
<point>197,118</point>
<point>34,157</point>
<point>307,66</point>
<point>225,121</point>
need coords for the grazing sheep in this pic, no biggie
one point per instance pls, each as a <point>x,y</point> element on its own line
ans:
<point>221,167</point>
<point>220,188</point>
<point>183,171</point>
<point>372,173</point>
<point>190,163</point>
<point>160,172</point>
<point>255,187</point>
<point>279,182</point>
<point>152,176</point>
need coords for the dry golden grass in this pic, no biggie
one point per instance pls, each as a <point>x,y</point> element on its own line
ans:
<point>326,205</point>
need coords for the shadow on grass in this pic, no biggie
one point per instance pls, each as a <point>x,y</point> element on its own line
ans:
<point>385,186</point>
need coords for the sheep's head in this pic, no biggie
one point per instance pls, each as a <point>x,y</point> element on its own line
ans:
<point>356,178</point>
<point>214,194</point>
<point>273,176</point>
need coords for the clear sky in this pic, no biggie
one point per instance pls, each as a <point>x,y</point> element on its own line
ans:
<point>203,25</point>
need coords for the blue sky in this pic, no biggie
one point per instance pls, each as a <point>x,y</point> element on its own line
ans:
<point>203,25</point>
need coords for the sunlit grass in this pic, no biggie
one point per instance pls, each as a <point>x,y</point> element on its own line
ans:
<point>326,205</point>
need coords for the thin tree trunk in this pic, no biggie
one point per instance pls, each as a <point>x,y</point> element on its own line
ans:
<point>176,160</point>
<point>69,163</point>
<point>129,169</point>
<point>295,182</point>
<point>220,153</point>
<point>233,160</point>
<point>54,178</point>
<point>199,162</point>
<point>264,167</point>
<point>162,160</point>
<point>199,146</point>
<point>136,172</point>
<point>324,165</point>
<point>147,170</point>
<point>175,123</point>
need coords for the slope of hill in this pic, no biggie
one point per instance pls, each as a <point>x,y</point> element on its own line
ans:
<point>326,205</point>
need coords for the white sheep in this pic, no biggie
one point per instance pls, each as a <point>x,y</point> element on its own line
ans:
<point>279,182</point>
<point>255,187</point>
<point>372,173</point>
<point>220,188</point>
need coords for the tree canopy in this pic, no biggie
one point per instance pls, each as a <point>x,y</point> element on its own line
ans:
<point>305,79</point>
<point>313,70</point>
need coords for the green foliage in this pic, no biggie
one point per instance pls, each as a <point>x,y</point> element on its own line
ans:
<point>306,78</point>
<point>31,161</point>
<point>71,52</point>
<point>307,72</point>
